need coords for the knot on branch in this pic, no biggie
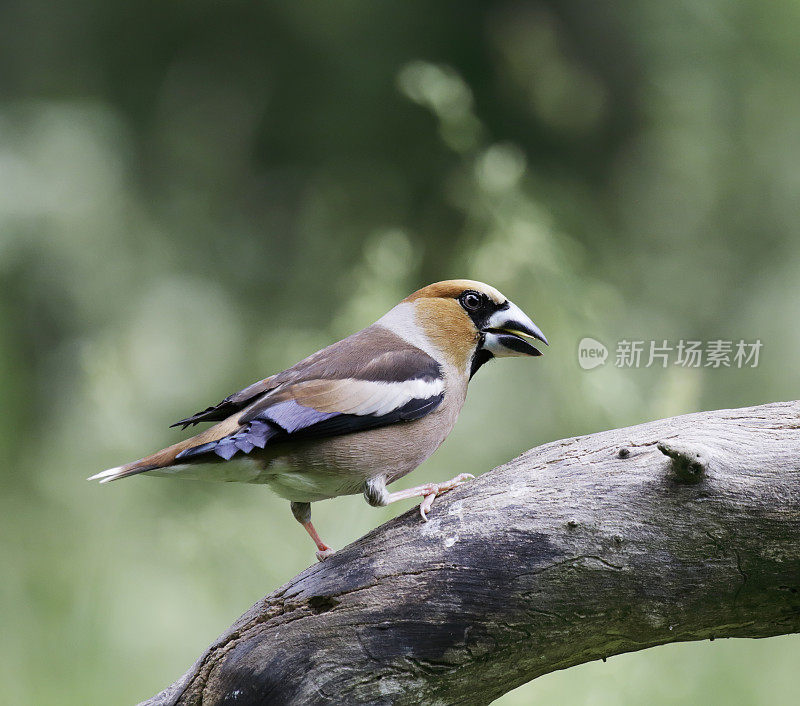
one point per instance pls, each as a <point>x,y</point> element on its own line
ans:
<point>322,604</point>
<point>689,461</point>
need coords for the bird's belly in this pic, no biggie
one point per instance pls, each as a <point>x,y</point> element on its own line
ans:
<point>283,478</point>
<point>311,486</point>
<point>325,468</point>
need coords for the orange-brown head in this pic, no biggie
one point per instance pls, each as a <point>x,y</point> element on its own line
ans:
<point>471,322</point>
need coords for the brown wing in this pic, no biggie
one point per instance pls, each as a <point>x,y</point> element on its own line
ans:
<point>372,354</point>
<point>336,391</point>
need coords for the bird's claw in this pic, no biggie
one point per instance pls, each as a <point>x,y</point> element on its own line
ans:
<point>323,554</point>
<point>425,505</point>
<point>438,489</point>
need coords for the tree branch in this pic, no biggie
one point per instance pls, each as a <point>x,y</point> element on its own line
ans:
<point>681,529</point>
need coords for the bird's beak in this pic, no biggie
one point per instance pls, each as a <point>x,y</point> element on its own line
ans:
<point>506,331</point>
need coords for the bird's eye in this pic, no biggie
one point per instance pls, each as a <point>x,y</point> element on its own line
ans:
<point>470,301</point>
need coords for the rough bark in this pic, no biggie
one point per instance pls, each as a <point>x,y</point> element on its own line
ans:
<point>681,529</point>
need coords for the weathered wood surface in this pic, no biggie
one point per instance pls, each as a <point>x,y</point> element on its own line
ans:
<point>681,529</point>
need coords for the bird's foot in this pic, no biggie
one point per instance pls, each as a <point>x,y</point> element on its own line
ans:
<point>438,489</point>
<point>323,554</point>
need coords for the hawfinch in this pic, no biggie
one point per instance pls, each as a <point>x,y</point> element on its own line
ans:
<point>359,414</point>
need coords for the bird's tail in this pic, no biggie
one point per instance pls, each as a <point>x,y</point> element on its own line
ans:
<point>167,457</point>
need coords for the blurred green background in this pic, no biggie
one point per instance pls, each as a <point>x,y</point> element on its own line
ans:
<point>195,195</point>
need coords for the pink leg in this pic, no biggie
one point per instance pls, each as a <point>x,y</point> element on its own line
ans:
<point>323,550</point>
<point>428,492</point>
<point>302,513</point>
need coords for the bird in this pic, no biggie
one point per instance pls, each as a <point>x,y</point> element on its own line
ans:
<point>359,414</point>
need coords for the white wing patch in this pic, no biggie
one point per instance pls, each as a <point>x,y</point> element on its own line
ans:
<point>363,397</point>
